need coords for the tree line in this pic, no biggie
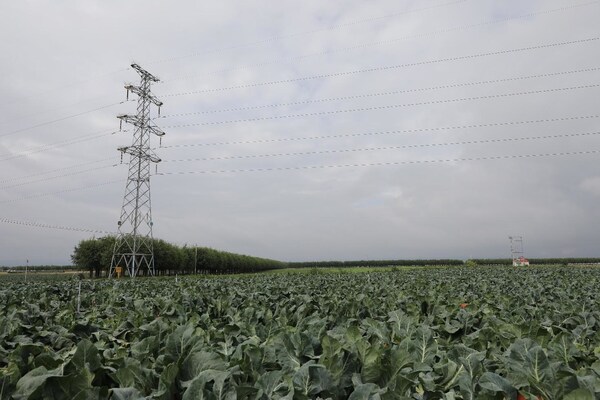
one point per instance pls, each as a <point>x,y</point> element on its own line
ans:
<point>95,255</point>
<point>539,261</point>
<point>373,263</point>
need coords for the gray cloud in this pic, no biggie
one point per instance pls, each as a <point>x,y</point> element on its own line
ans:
<point>72,58</point>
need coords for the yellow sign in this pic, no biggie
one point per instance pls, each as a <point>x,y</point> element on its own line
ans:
<point>119,271</point>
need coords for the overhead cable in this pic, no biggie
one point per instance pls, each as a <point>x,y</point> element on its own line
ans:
<point>48,226</point>
<point>57,107</point>
<point>248,44</point>
<point>377,164</point>
<point>386,93</point>
<point>385,107</point>
<point>406,146</point>
<point>388,41</point>
<point>61,119</point>
<point>51,146</point>
<point>388,132</point>
<point>304,33</point>
<point>38,195</point>
<point>68,85</point>
<point>18,178</point>
<point>387,67</point>
<point>58,176</point>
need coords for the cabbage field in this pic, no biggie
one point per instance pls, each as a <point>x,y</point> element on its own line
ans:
<point>443,333</point>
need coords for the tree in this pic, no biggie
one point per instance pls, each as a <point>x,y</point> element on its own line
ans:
<point>94,254</point>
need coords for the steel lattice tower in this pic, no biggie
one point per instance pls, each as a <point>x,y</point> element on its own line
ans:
<point>516,248</point>
<point>133,247</point>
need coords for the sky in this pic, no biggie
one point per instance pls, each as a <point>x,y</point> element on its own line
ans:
<point>314,130</point>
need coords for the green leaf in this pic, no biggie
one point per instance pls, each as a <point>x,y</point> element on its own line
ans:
<point>365,391</point>
<point>132,374</point>
<point>402,325</point>
<point>470,362</point>
<point>32,382</point>
<point>528,364</point>
<point>339,363</point>
<point>126,394</point>
<point>495,383</point>
<point>167,384</point>
<point>48,360</point>
<point>580,394</point>
<point>589,382</point>
<point>145,347</point>
<point>182,342</point>
<point>423,349</point>
<point>200,361</point>
<point>398,375</point>
<point>196,389</point>
<point>85,358</point>
<point>52,384</point>
<point>269,383</point>
<point>311,379</point>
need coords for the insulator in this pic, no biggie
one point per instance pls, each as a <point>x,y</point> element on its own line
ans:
<point>159,111</point>
<point>120,125</point>
<point>127,94</point>
<point>160,141</point>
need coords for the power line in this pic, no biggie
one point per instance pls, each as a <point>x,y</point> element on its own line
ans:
<point>407,146</point>
<point>389,163</point>
<point>48,226</point>
<point>388,132</point>
<point>61,119</point>
<point>58,107</point>
<point>274,38</point>
<point>387,67</point>
<point>262,41</point>
<point>73,84</point>
<point>38,195</point>
<point>51,146</point>
<point>303,33</point>
<point>386,107</point>
<point>58,176</point>
<point>389,41</point>
<point>54,170</point>
<point>387,93</point>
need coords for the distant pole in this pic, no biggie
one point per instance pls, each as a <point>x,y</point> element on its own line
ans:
<point>196,260</point>
<point>26,268</point>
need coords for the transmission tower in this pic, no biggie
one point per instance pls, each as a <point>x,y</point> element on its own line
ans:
<point>516,249</point>
<point>133,246</point>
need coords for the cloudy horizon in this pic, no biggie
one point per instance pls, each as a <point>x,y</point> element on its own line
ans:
<point>302,132</point>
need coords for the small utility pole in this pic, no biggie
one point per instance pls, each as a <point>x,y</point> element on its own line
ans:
<point>26,268</point>
<point>196,260</point>
<point>133,246</point>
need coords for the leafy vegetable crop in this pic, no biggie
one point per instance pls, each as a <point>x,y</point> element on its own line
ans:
<point>456,333</point>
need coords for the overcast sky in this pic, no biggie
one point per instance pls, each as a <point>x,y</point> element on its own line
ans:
<point>446,94</point>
